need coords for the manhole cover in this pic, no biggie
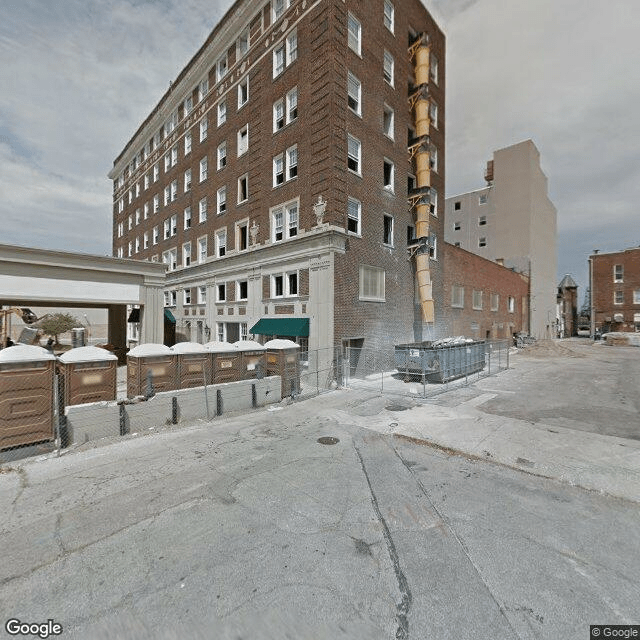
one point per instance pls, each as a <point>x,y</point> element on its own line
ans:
<point>396,407</point>
<point>328,440</point>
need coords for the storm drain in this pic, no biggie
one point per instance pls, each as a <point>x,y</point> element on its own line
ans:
<point>328,440</point>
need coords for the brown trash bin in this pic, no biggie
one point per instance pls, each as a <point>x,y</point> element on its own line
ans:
<point>282,360</point>
<point>194,364</point>
<point>253,359</point>
<point>155,359</point>
<point>27,379</point>
<point>90,375</point>
<point>225,362</point>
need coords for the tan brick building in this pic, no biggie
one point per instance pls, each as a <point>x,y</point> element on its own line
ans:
<point>482,299</point>
<point>615,291</point>
<point>292,176</point>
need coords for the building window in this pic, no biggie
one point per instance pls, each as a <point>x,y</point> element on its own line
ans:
<point>242,235</point>
<point>222,155</point>
<point>433,196</point>
<point>187,180</point>
<point>457,297</point>
<point>292,162</point>
<point>354,150</point>
<point>482,220</point>
<point>174,225</point>
<point>457,226</point>
<point>457,206</point>
<point>482,242</point>
<point>221,199</point>
<point>243,92</point>
<point>222,67</point>
<point>204,127</point>
<point>156,234</point>
<point>278,170</point>
<point>387,121</point>
<point>387,66</point>
<point>433,158</point>
<point>120,229</point>
<point>482,198</point>
<point>242,44</point>
<point>354,212</point>
<point>146,210</point>
<point>618,297</point>
<point>354,33</point>
<point>618,273</point>
<point>202,249</point>
<point>187,218</point>
<point>411,235</point>
<point>221,243</point>
<point>292,47</point>
<point>278,8</point>
<point>221,292</point>
<point>292,105</point>
<point>511,304</point>
<point>137,244</point>
<point>243,188</point>
<point>202,210</point>
<point>354,91</point>
<point>495,301</point>
<point>243,290</point>
<point>433,68</point>
<point>278,115</point>
<point>186,254</point>
<point>156,173</point>
<point>222,113</point>
<point>277,286</point>
<point>636,296</point>
<point>433,114</point>
<point>204,166</point>
<point>278,60</point>
<point>243,140</point>
<point>167,195</point>
<point>203,89</point>
<point>284,221</point>
<point>433,246</point>
<point>174,156</point>
<point>387,230</point>
<point>477,300</point>
<point>146,181</point>
<point>188,105</point>
<point>292,284</point>
<point>372,284</point>
<point>388,15</point>
<point>388,174</point>
<point>202,294</point>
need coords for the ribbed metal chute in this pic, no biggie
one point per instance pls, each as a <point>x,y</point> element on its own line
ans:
<point>420,151</point>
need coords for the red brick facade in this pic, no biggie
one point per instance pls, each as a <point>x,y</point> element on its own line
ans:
<point>615,290</point>
<point>501,297</point>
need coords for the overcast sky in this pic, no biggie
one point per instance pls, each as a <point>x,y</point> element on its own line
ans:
<point>77,77</point>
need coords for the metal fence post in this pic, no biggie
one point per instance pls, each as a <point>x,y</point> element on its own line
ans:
<point>123,419</point>
<point>507,355</point>
<point>219,403</point>
<point>254,396</point>
<point>174,410</point>
<point>206,395</point>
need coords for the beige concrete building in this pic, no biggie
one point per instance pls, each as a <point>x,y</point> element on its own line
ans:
<point>512,221</point>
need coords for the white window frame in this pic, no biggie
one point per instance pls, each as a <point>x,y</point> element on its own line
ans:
<point>357,157</point>
<point>291,46</point>
<point>186,217</point>
<point>279,59</point>
<point>156,234</point>
<point>366,292</point>
<point>285,220</point>
<point>186,254</point>
<point>278,170</point>
<point>243,92</point>
<point>636,296</point>
<point>187,180</point>
<point>390,185</point>
<point>291,99</point>
<point>433,114</point>
<point>156,203</point>
<point>388,115</point>
<point>354,94</point>
<point>204,168</point>
<point>511,304</point>
<point>202,210</point>
<point>354,213</point>
<point>354,34</point>
<point>203,242</point>
<point>457,297</point>
<point>201,293</point>
<point>203,88</point>
<point>243,44</point>
<point>203,128</point>
<point>291,156</point>
<point>222,67</point>
<point>618,293</point>
<point>433,68</point>
<point>221,243</point>
<point>221,291</point>
<point>174,224</point>
<point>476,300</point>
<point>389,15</point>
<point>239,295</point>
<point>495,301</point>
<point>222,112</point>
<point>482,199</point>
<point>618,273</point>
<point>244,178</point>
<point>221,155</point>
<point>145,209</point>
<point>174,190</point>
<point>279,120</point>
<point>387,216</point>
<point>482,242</point>
<point>221,200</point>
<point>243,140</point>
<point>388,68</point>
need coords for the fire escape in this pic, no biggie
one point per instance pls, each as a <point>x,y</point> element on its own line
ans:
<point>422,246</point>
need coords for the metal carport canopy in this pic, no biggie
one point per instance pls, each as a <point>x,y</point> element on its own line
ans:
<point>281,327</point>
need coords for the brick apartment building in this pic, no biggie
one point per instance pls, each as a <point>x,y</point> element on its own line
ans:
<point>291,178</point>
<point>615,291</point>
<point>512,220</point>
<point>567,304</point>
<point>482,299</point>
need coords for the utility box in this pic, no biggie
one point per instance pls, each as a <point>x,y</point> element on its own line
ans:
<point>156,361</point>
<point>283,361</point>
<point>27,380</point>
<point>90,375</point>
<point>78,337</point>
<point>253,359</point>
<point>225,362</point>
<point>442,360</point>
<point>194,364</point>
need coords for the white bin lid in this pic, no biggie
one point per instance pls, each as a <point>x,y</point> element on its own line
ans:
<point>25,353</point>
<point>87,354</point>
<point>248,345</point>
<point>151,349</point>
<point>280,343</point>
<point>220,346</point>
<point>189,347</point>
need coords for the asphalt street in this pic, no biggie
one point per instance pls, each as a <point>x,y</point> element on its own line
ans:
<point>250,528</point>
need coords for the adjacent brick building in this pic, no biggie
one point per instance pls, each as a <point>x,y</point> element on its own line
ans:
<point>483,299</point>
<point>274,176</point>
<point>567,304</point>
<point>615,291</point>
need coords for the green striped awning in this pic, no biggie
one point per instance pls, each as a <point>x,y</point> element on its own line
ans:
<point>284,327</point>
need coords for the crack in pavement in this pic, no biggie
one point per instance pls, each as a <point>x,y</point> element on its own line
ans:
<point>24,483</point>
<point>457,538</point>
<point>403,607</point>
